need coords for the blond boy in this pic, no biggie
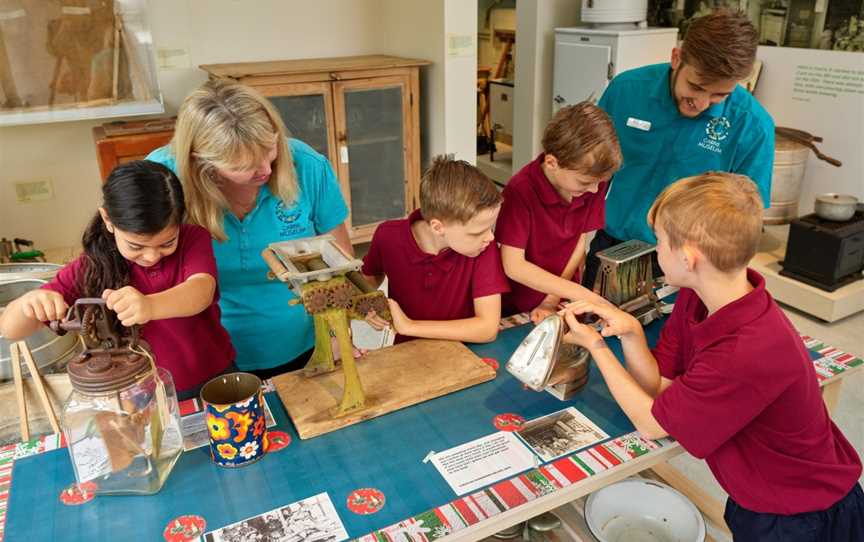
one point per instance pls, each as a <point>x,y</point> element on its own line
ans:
<point>730,378</point>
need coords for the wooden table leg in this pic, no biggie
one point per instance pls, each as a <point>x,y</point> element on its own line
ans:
<point>831,394</point>
<point>710,507</point>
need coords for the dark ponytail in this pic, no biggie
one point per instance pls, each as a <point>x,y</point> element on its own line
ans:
<point>140,197</point>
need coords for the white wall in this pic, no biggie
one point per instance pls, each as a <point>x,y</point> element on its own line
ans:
<point>839,119</point>
<point>536,21</point>
<point>419,29</point>
<point>460,80</point>
<point>215,31</point>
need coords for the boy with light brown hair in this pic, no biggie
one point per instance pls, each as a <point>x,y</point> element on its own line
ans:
<point>442,264</point>
<point>730,378</point>
<point>550,206</point>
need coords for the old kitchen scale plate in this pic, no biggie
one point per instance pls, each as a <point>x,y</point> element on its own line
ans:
<point>393,378</point>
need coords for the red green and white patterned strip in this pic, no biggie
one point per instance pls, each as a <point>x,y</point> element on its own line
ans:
<point>39,445</point>
<point>7,458</point>
<point>493,500</point>
<point>832,361</point>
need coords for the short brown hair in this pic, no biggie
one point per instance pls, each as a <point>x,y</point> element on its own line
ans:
<point>455,191</point>
<point>582,138</point>
<point>718,213</point>
<point>721,45</point>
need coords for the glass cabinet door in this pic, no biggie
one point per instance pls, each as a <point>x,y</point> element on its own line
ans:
<point>370,135</point>
<point>307,110</point>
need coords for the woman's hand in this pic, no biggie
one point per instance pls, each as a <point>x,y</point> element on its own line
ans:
<point>132,307</point>
<point>43,305</point>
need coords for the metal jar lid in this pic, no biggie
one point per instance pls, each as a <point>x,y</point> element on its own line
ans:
<point>107,371</point>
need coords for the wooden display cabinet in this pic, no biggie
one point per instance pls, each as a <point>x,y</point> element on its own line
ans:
<point>121,142</point>
<point>362,113</point>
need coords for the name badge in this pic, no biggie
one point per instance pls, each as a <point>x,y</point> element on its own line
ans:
<point>639,124</point>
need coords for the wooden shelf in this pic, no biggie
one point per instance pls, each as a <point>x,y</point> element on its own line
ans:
<point>239,70</point>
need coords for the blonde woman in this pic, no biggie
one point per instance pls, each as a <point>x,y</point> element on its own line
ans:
<point>250,185</point>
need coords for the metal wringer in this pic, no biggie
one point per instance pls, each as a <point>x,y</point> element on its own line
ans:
<point>328,283</point>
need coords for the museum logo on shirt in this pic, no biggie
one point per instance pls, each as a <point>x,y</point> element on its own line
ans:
<point>716,131</point>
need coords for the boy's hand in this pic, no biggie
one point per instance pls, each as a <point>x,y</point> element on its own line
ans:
<point>580,334</point>
<point>357,353</point>
<point>43,305</point>
<point>132,307</point>
<point>614,320</point>
<point>376,321</point>
<point>401,323</point>
<point>547,307</point>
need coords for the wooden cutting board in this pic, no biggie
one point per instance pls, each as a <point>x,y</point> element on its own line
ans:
<point>393,378</point>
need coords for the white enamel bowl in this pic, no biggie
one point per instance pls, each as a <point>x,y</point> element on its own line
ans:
<point>639,510</point>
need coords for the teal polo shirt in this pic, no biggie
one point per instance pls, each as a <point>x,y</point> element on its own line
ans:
<point>265,330</point>
<point>661,146</point>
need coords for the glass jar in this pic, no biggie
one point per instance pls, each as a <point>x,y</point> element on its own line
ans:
<point>122,422</point>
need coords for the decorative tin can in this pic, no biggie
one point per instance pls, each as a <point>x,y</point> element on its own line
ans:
<point>235,419</point>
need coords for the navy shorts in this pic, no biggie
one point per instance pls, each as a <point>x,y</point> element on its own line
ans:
<point>842,522</point>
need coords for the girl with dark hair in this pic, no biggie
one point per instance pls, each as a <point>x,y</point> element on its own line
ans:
<point>151,269</point>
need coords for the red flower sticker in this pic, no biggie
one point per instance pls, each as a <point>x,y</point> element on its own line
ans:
<point>367,500</point>
<point>491,362</point>
<point>78,494</point>
<point>184,529</point>
<point>508,422</point>
<point>276,440</point>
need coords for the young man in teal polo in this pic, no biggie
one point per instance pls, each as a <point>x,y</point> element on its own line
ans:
<point>683,118</point>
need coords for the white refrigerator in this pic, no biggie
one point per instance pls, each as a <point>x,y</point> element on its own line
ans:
<point>586,59</point>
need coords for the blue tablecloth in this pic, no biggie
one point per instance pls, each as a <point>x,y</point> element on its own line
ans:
<point>384,453</point>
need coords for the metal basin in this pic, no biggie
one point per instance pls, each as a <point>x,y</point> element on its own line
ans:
<point>21,271</point>
<point>50,351</point>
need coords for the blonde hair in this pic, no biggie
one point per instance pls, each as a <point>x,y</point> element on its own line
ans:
<point>455,191</point>
<point>582,138</point>
<point>718,213</point>
<point>226,125</point>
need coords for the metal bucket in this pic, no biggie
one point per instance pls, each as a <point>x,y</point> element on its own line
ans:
<point>790,161</point>
<point>50,351</point>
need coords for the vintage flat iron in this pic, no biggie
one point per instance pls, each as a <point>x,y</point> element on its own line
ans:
<point>328,283</point>
<point>542,361</point>
<point>625,279</point>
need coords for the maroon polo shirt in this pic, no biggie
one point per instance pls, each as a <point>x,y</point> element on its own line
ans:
<point>439,286</point>
<point>535,217</point>
<point>746,399</point>
<point>193,348</point>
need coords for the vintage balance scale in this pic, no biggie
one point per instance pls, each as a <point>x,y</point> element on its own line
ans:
<point>544,362</point>
<point>330,287</point>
